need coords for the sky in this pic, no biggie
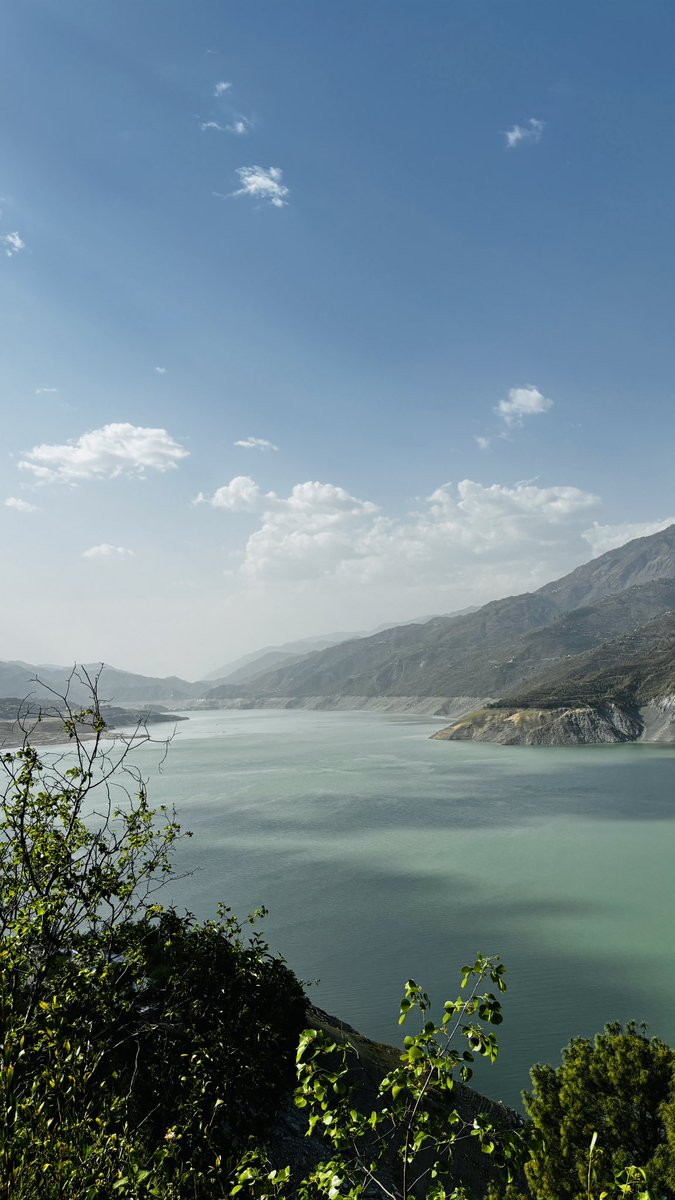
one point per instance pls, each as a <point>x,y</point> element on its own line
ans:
<point>321,316</point>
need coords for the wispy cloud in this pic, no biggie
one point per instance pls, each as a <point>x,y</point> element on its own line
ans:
<point>20,505</point>
<point>529,133</point>
<point>160,370</point>
<point>254,443</point>
<point>483,443</point>
<point>45,391</point>
<point>107,453</point>
<point>602,538</point>
<point>106,550</point>
<point>222,87</point>
<point>263,184</point>
<point>240,126</point>
<point>522,402</point>
<point>13,243</point>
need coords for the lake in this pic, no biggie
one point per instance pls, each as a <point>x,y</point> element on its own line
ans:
<point>382,855</point>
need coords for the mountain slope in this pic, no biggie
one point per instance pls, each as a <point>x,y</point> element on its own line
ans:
<point>483,652</point>
<point>272,656</point>
<point>622,691</point>
<point>629,670</point>
<point>120,687</point>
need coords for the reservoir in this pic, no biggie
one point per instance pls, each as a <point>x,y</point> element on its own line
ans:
<point>383,855</point>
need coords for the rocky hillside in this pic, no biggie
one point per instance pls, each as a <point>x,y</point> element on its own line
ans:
<point>622,691</point>
<point>566,726</point>
<point>630,670</point>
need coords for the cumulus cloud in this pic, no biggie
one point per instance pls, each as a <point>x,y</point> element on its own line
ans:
<point>45,391</point>
<point>263,184</point>
<point>13,243</point>
<point>241,494</point>
<point>483,443</point>
<point>106,453</point>
<point>160,370</point>
<point>222,87</point>
<point>529,133</point>
<point>458,535</point>
<point>522,402</point>
<point>105,550</point>
<point>310,533</point>
<point>20,505</point>
<point>602,538</point>
<point>255,443</point>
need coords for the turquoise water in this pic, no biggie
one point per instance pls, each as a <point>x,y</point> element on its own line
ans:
<point>382,854</point>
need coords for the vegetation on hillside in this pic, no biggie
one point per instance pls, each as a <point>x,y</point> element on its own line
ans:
<point>140,1049</point>
<point>630,671</point>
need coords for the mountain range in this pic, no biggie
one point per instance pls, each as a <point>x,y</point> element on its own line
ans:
<point>602,635</point>
<point>495,649</point>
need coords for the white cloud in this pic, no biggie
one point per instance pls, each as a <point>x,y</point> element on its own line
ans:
<point>483,443</point>
<point>531,132</point>
<point>461,535</point>
<point>20,505</point>
<point>255,443</point>
<point>222,87</point>
<point>239,126</point>
<point>263,184</point>
<point>602,538</point>
<point>309,534</point>
<point>106,453</point>
<point>523,402</point>
<point>160,370</point>
<point>13,243</point>
<point>241,494</point>
<point>105,550</point>
<point>44,391</point>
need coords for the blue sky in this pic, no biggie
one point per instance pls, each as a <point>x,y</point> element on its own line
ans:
<point>424,250</point>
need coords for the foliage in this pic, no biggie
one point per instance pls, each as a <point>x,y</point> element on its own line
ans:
<point>139,1049</point>
<point>406,1141</point>
<point>618,1090</point>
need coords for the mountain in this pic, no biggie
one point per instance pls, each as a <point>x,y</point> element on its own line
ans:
<point>272,656</point>
<point>495,648</point>
<point>631,670</point>
<point>120,687</point>
<point>623,691</point>
<point>260,661</point>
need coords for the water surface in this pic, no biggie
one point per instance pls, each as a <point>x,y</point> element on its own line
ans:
<point>382,854</point>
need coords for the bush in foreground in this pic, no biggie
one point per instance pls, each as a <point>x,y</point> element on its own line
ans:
<point>139,1049</point>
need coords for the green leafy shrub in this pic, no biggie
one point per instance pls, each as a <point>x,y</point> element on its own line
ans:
<point>620,1088</point>
<point>139,1049</point>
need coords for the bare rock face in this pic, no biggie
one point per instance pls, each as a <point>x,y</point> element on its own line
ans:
<point>658,718</point>
<point>582,726</point>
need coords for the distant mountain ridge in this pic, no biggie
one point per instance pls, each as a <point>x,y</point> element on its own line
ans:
<point>119,687</point>
<point>246,668</point>
<point>602,634</point>
<point>495,648</point>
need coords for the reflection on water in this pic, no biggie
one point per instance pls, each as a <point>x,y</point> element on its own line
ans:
<point>382,854</point>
